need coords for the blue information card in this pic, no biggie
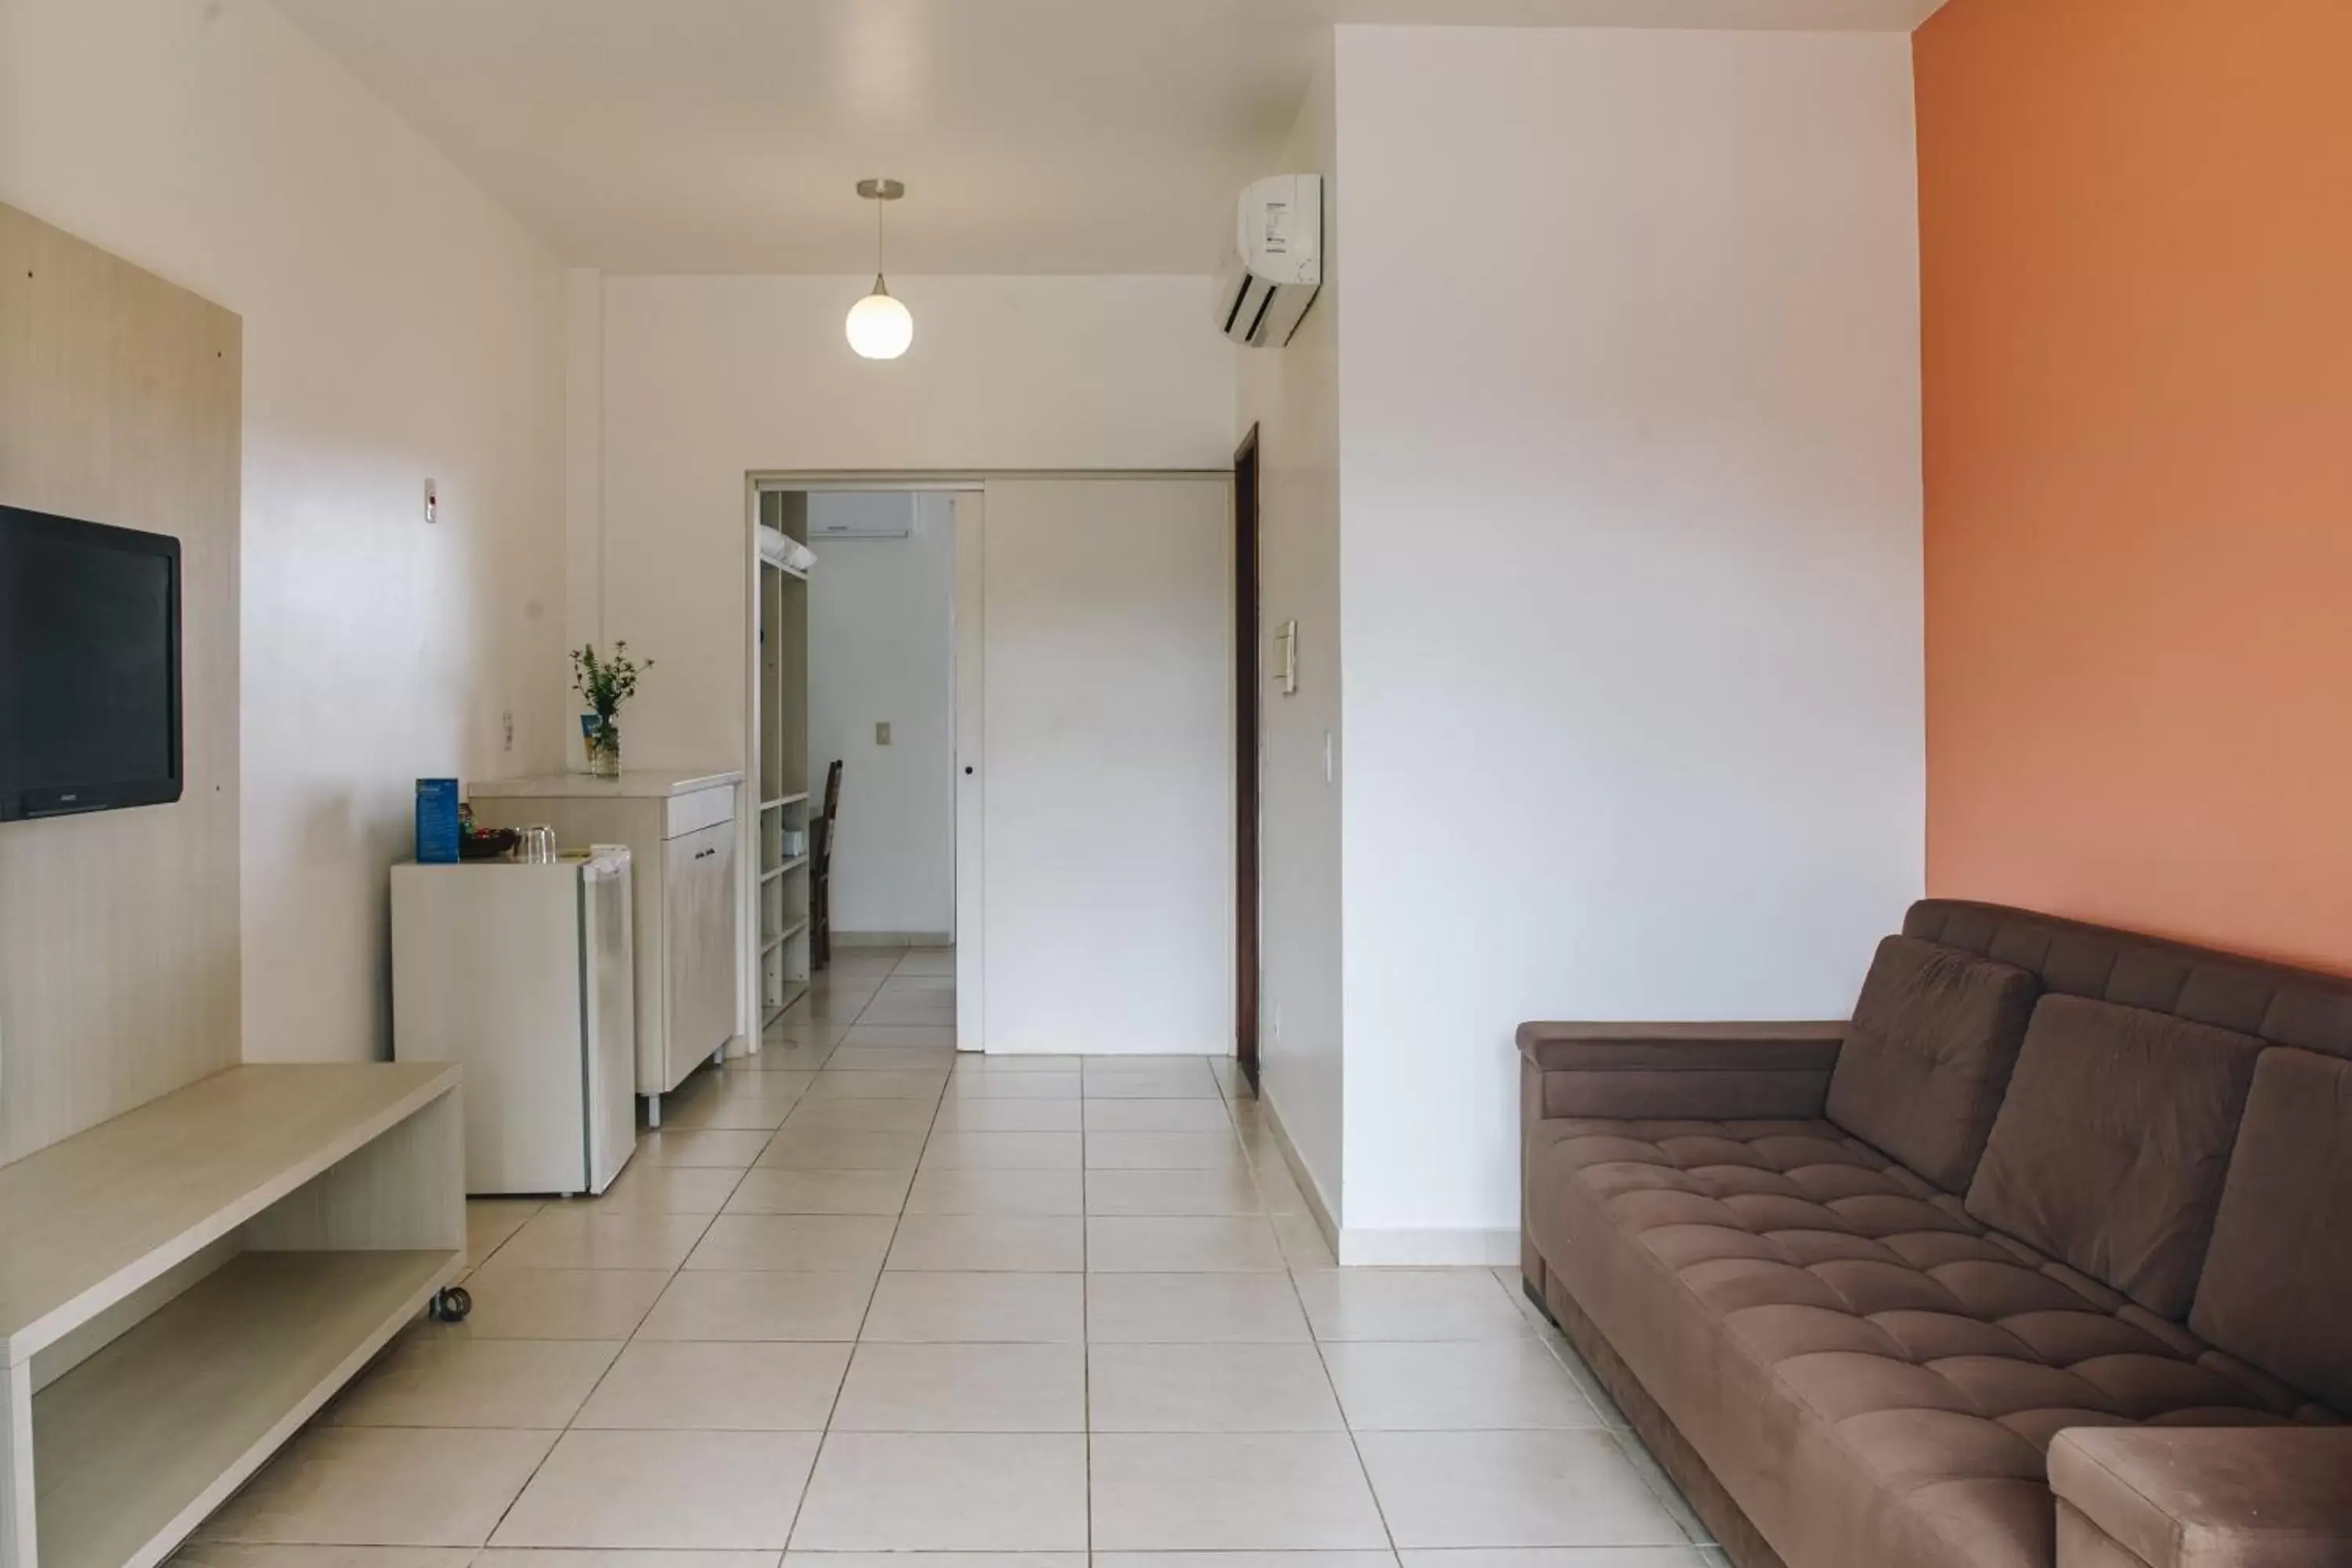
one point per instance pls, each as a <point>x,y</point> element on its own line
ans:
<point>436,822</point>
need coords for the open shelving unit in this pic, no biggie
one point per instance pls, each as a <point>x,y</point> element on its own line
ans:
<point>183,1287</point>
<point>782,899</point>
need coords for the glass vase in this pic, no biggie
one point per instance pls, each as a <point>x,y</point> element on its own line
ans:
<point>605,751</point>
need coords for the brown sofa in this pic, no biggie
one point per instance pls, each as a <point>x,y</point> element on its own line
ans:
<point>2044,1259</point>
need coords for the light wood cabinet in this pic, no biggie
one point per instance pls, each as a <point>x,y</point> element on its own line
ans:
<point>680,830</point>
<point>699,934</point>
<point>183,1287</point>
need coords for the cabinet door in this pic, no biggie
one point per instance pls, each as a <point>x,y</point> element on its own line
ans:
<point>698,935</point>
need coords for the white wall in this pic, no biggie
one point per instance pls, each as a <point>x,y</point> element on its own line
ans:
<point>584,470</point>
<point>706,379</point>
<point>1292,395</point>
<point>882,650</point>
<point>397,325</point>
<point>1630,565</point>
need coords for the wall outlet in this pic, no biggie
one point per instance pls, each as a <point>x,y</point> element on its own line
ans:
<point>882,733</point>
<point>505,721</point>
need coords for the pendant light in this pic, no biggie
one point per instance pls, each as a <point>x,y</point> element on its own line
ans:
<point>879,327</point>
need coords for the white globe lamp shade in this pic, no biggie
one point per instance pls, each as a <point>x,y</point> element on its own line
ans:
<point>879,327</point>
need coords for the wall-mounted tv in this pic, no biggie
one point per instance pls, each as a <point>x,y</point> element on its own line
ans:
<point>89,667</point>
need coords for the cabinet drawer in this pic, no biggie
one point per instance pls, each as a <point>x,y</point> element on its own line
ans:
<point>703,808</point>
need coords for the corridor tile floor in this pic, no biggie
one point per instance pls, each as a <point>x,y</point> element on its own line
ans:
<point>860,1296</point>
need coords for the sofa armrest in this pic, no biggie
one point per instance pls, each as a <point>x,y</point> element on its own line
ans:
<point>1760,1072</point>
<point>2177,1497</point>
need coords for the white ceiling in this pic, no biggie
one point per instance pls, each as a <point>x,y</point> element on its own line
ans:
<point>1034,136</point>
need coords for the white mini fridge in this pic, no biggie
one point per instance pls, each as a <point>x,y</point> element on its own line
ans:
<point>524,975</point>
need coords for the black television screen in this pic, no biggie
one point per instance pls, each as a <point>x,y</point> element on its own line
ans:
<point>89,667</point>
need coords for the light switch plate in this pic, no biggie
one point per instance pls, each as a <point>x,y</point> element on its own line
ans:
<point>882,733</point>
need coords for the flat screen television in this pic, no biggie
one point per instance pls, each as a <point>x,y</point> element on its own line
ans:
<point>89,667</point>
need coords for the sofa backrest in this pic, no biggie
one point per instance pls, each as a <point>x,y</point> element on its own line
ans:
<point>2274,1003</point>
<point>1928,1054</point>
<point>2278,1277</point>
<point>2112,1145</point>
<point>2199,1158</point>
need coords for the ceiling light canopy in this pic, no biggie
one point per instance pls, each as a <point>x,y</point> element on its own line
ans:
<point>879,327</point>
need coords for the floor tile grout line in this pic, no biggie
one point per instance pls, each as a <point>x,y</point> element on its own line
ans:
<point>1254,1165</point>
<point>543,1207</point>
<point>571,1421</point>
<point>1323,1360</point>
<point>833,1413</point>
<point>1553,1344</point>
<point>1085,1310</point>
<point>513,1502</point>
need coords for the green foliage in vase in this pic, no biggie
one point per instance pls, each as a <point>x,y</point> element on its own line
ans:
<point>606,681</point>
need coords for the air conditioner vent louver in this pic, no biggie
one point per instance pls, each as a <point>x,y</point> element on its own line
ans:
<point>1276,267</point>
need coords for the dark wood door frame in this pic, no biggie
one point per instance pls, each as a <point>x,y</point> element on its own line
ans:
<point>1247,690</point>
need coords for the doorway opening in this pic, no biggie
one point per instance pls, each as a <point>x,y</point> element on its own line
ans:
<point>854,721</point>
<point>1089,645</point>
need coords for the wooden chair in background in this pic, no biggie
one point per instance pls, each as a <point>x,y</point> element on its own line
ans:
<point>821,872</point>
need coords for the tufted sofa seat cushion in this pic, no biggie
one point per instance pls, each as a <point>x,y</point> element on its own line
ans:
<point>1856,1359</point>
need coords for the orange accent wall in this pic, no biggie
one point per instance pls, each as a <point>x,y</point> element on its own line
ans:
<point>2136,222</point>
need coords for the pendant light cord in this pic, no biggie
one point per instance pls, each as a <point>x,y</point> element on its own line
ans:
<point>879,327</point>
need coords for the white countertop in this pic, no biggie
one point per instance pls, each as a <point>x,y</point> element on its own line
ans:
<point>648,785</point>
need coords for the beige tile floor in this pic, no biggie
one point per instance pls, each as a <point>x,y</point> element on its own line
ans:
<point>862,1302</point>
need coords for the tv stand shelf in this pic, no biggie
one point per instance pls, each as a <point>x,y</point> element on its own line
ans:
<point>183,1287</point>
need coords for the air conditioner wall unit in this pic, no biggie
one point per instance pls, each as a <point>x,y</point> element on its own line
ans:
<point>861,514</point>
<point>1276,268</point>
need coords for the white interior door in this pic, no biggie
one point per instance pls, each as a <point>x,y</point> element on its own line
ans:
<point>1106,789</point>
<point>971,663</point>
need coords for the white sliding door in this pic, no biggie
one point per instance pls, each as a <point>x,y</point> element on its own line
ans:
<point>1107,778</point>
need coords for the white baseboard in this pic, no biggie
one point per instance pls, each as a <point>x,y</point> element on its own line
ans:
<point>1319,1204</point>
<point>892,938</point>
<point>1363,1248</point>
<point>1391,1249</point>
<point>1207,1053</point>
<point>1360,1247</point>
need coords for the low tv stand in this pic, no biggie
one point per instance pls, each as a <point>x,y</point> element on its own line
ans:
<point>183,1287</point>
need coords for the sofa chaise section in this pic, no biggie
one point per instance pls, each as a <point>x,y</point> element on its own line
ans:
<point>2199,1498</point>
